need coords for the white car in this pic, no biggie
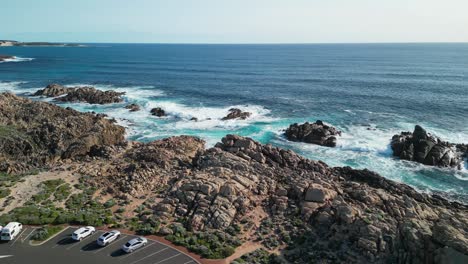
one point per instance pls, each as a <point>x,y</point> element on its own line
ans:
<point>108,238</point>
<point>134,244</point>
<point>10,231</point>
<point>83,232</point>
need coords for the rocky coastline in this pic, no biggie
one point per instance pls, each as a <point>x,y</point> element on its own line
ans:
<point>9,43</point>
<point>237,191</point>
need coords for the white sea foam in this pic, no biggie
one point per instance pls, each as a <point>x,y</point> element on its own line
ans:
<point>209,117</point>
<point>17,59</point>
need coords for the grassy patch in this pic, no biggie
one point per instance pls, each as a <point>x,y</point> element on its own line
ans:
<point>259,256</point>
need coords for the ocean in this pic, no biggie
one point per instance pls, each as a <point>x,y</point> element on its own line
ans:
<point>369,91</point>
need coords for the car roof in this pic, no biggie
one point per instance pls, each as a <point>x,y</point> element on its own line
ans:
<point>135,240</point>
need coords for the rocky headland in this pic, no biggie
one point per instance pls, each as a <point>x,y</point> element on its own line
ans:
<point>422,147</point>
<point>214,200</point>
<point>9,43</point>
<point>315,133</point>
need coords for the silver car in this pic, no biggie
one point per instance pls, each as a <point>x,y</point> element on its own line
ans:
<point>108,238</point>
<point>134,244</point>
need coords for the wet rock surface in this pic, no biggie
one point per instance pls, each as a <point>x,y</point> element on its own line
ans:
<point>314,133</point>
<point>236,113</point>
<point>133,107</point>
<point>158,111</point>
<point>427,149</point>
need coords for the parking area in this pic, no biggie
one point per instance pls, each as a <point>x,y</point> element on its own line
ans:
<point>62,249</point>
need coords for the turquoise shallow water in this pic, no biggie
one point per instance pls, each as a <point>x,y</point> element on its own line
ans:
<point>369,91</point>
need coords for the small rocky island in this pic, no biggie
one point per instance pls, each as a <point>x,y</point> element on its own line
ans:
<point>315,133</point>
<point>427,149</point>
<point>86,94</point>
<point>236,113</point>
<point>213,201</point>
<point>6,57</point>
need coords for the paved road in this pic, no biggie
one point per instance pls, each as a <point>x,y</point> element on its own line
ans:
<point>62,249</point>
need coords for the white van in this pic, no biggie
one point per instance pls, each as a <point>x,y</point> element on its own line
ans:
<point>10,231</point>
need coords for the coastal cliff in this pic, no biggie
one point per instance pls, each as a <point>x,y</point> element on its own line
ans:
<point>214,200</point>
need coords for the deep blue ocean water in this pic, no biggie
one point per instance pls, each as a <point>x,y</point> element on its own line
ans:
<point>369,91</point>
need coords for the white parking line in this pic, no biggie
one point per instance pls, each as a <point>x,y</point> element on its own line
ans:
<point>130,254</point>
<point>22,241</point>
<point>168,258</point>
<point>159,251</point>
<point>108,245</point>
<point>14,241</point>
<point>189,262</point>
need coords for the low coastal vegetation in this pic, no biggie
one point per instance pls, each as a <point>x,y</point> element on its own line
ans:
<point>45,232</point>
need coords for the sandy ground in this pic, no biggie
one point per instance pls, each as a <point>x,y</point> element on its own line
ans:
<point>23,191</point>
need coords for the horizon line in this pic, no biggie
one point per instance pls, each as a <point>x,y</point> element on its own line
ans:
<point>253,43</point>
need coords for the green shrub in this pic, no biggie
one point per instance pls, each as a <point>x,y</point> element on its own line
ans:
<point>45,232</point>
<point>110,203</point>
<point>4,193</point>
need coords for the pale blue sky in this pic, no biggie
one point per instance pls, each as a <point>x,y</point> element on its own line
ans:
<point>235,21</point>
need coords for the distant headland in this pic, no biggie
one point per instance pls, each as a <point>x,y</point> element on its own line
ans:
<point>9,43</point>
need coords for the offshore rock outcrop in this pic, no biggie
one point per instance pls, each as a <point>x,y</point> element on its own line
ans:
<point>33,134</point>
<point>427,149</point>
<point>236,113</point>
<point>158,111</point>
<point>85,94</point>
<point>314,133</point>
<point>133,107</point>
<point>6,57</point>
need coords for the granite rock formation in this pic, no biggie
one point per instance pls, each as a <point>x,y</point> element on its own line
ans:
<point>427,149</point>
<point>36,133</point>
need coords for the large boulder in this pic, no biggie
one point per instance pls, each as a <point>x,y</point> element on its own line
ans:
<point>236,113</point>
<point>314,133</point>
<point>91,95</point>
<point>427,149</point>
<point>33,134</point>
<point>53,90</point>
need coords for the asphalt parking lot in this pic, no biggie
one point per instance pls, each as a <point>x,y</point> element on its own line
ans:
<point>62,249</point>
